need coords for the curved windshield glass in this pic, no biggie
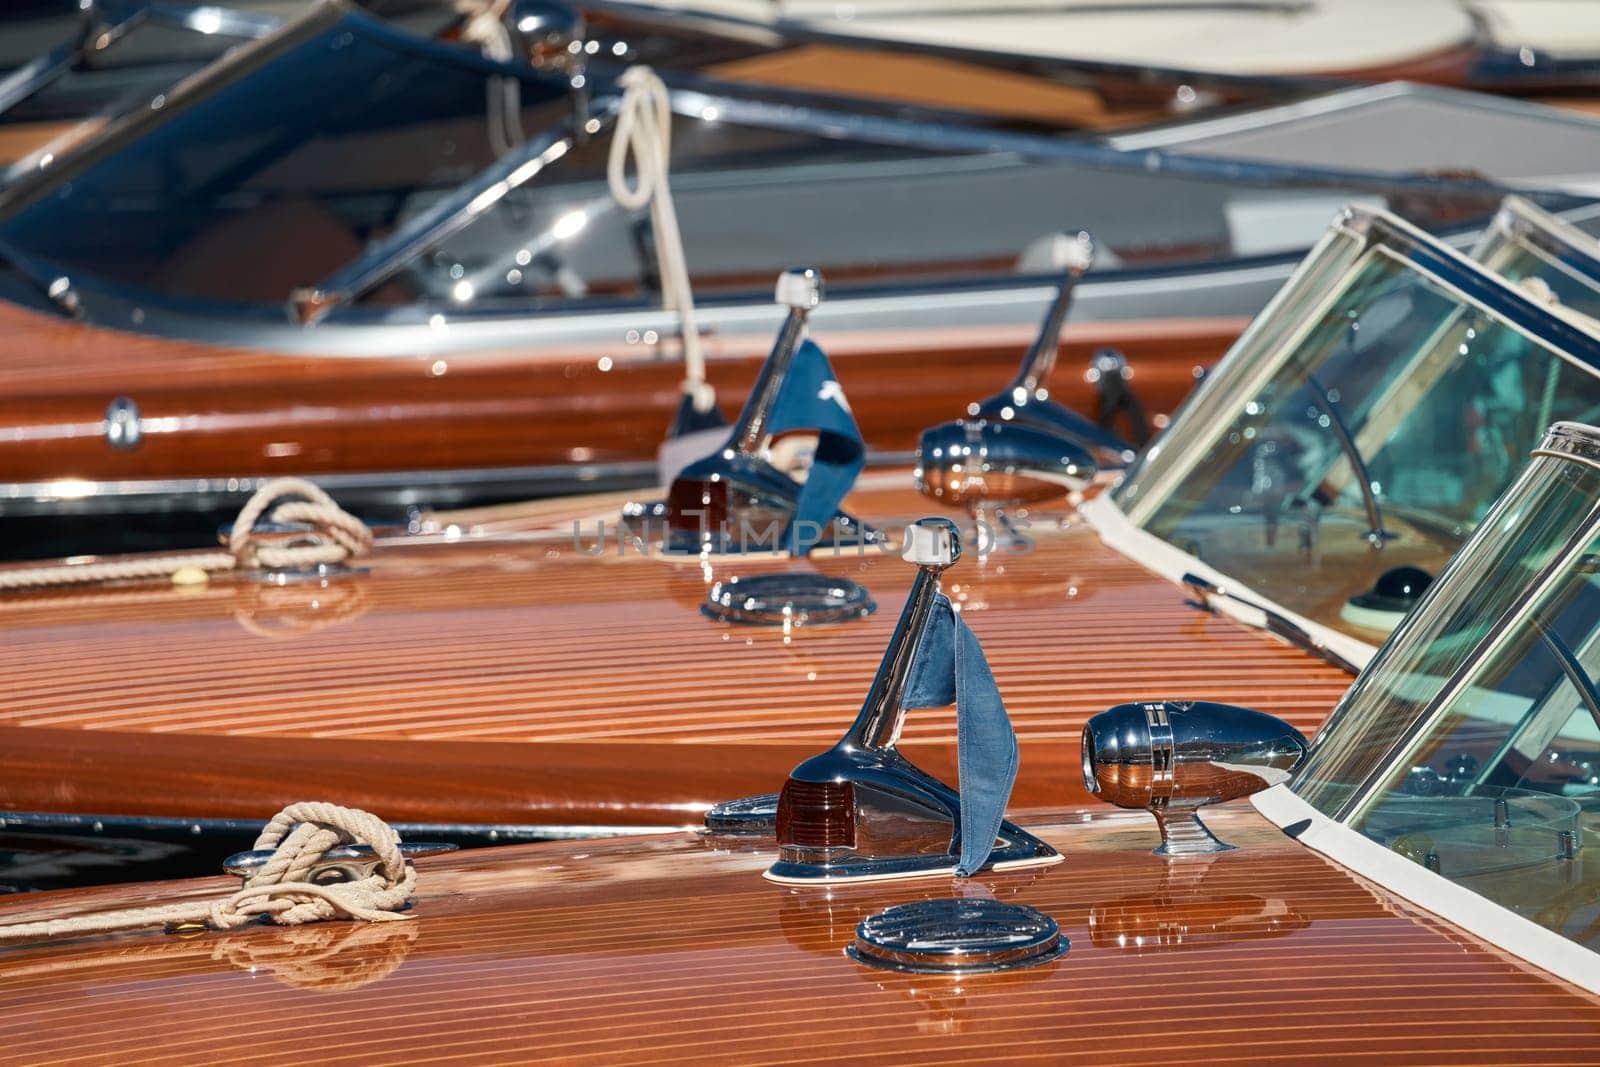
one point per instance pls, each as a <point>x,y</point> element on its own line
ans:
<point>1525,241</point>
<point>287,163</point>
<point>1471,744</point>
<point>348,156</point>
<point>1361,428</point>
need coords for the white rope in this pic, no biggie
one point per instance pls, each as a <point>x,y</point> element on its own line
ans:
<point>300,836</point>
<point>334,536</point>
<point>644,132</point>
<point>485,26</point>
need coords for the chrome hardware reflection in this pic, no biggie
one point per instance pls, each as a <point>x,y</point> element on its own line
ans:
<point>975,463</point>
<point>747,815</point>
<point>787,600</point>
<point>957,936</point>
<point>1112,379</point>
<point>1171,758</point>
<point>347,863</point>
<point>122,426</point>
<point>549,33</point>
<point>1181,914</point>
<point>551,36</point>
<point>862,810</point>
<point>321,957</point>
<point>287,609</point>
<point>1027,399</point>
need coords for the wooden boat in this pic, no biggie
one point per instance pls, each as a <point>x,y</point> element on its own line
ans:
<point>1264,952</point>
<point>67,69</point>
<point>524,672</point>
<point>1134,51</point>
<point>307,317</point>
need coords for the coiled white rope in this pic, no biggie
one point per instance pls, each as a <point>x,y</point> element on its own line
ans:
<point>300,836</point>
<point>334,536</point>
<point>644,133</point>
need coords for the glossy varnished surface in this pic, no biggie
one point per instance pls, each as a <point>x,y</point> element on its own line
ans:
<point>212,411</point>
<point>667,950</point>
<point>514,679</point>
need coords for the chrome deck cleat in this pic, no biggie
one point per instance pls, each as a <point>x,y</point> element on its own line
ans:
<point>735,500</point>
<point>862,810</point>
<point>1172,758</point>
<point>346,863</point>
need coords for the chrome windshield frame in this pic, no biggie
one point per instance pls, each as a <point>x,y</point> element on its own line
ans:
<point>811,113</point>
<point>1365,230</point>
<point>1522,222</point>
<point>1570,442</point>
<point>94,36</point>
<point>448,217</point>
<point>1333,832</point>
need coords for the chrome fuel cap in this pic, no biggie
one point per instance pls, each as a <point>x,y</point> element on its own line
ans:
<point>957,936</point>
<point>788,599</point>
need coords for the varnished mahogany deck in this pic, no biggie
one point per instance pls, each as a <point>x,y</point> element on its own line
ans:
<point>509,678</point>
<point>669,950</point>
<point>212,412</point>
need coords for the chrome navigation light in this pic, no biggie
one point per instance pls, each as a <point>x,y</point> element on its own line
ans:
<point>861,810</point>
<point>345,863</point>
<point>736,500</point>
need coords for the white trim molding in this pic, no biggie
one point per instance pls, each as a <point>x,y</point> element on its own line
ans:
<point>1456,904</point>
<point>1172,563</point>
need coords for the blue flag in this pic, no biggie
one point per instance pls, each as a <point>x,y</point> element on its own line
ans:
<point>810,398</point>
<point>949,668</point>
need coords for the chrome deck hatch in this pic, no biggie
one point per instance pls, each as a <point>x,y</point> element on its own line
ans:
<point>957,936</point>
<point>787,600</point>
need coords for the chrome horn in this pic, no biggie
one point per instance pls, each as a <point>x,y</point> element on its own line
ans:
<point>1172,758</point>
<point>973,463</point>
<point>861,810</point>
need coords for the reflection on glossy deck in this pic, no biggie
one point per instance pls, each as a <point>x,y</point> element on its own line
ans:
<point>670,951</point>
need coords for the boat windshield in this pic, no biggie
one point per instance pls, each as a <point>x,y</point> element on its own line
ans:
<point>1365,423</point>
<point>1525,241</point>
<point>1471,744</point>
<point>344,150</point>
<point>286,163</point>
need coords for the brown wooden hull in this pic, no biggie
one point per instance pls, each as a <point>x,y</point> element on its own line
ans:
<point>674,950</point>
<point>520,681</point>
<point>213,412</point>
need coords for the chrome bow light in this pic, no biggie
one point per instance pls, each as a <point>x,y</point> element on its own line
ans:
<point>736,500</point>
<point>1027,399</point>
<point>1171,758</point>
<point>975,463</point>
<point>861,810</point>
